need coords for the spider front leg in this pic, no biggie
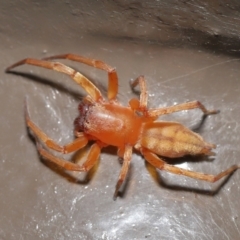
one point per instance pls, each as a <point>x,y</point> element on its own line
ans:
<point>80,142</point>
<point>89,87</point>
<point>112,74</point>
<point>154,160</point>
<point>180,107</point>
<point>124,170</point>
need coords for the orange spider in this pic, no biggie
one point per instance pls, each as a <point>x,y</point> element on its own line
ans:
<point>107,122</point>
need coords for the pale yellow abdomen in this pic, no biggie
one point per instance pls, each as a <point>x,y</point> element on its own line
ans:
<point>171,139</point>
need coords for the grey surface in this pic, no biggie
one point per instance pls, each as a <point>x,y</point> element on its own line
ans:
<point>39,201</point>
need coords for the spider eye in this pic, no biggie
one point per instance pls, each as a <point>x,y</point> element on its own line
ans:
<point>83,108</point>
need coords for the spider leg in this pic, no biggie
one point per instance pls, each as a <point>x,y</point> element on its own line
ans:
<point>126,162</point>
<point>88,86</point>
<point>80,142</point>
<point>112,74</point>
<point>180,107</point>
<point>120,152</point>
<point>154,160</point>
<point>92,158</point>
<point>143,95</point>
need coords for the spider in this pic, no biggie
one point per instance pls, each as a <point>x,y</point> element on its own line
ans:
<point>107,122</point>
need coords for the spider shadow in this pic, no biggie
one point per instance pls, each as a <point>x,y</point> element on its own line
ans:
<point>197,127</point>
<point>60,87</point>
<point>76,95</point>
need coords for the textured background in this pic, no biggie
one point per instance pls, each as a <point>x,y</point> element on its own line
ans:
<point>187,50</point>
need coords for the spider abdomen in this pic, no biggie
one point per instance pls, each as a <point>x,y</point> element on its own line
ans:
<point>171,139</point>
